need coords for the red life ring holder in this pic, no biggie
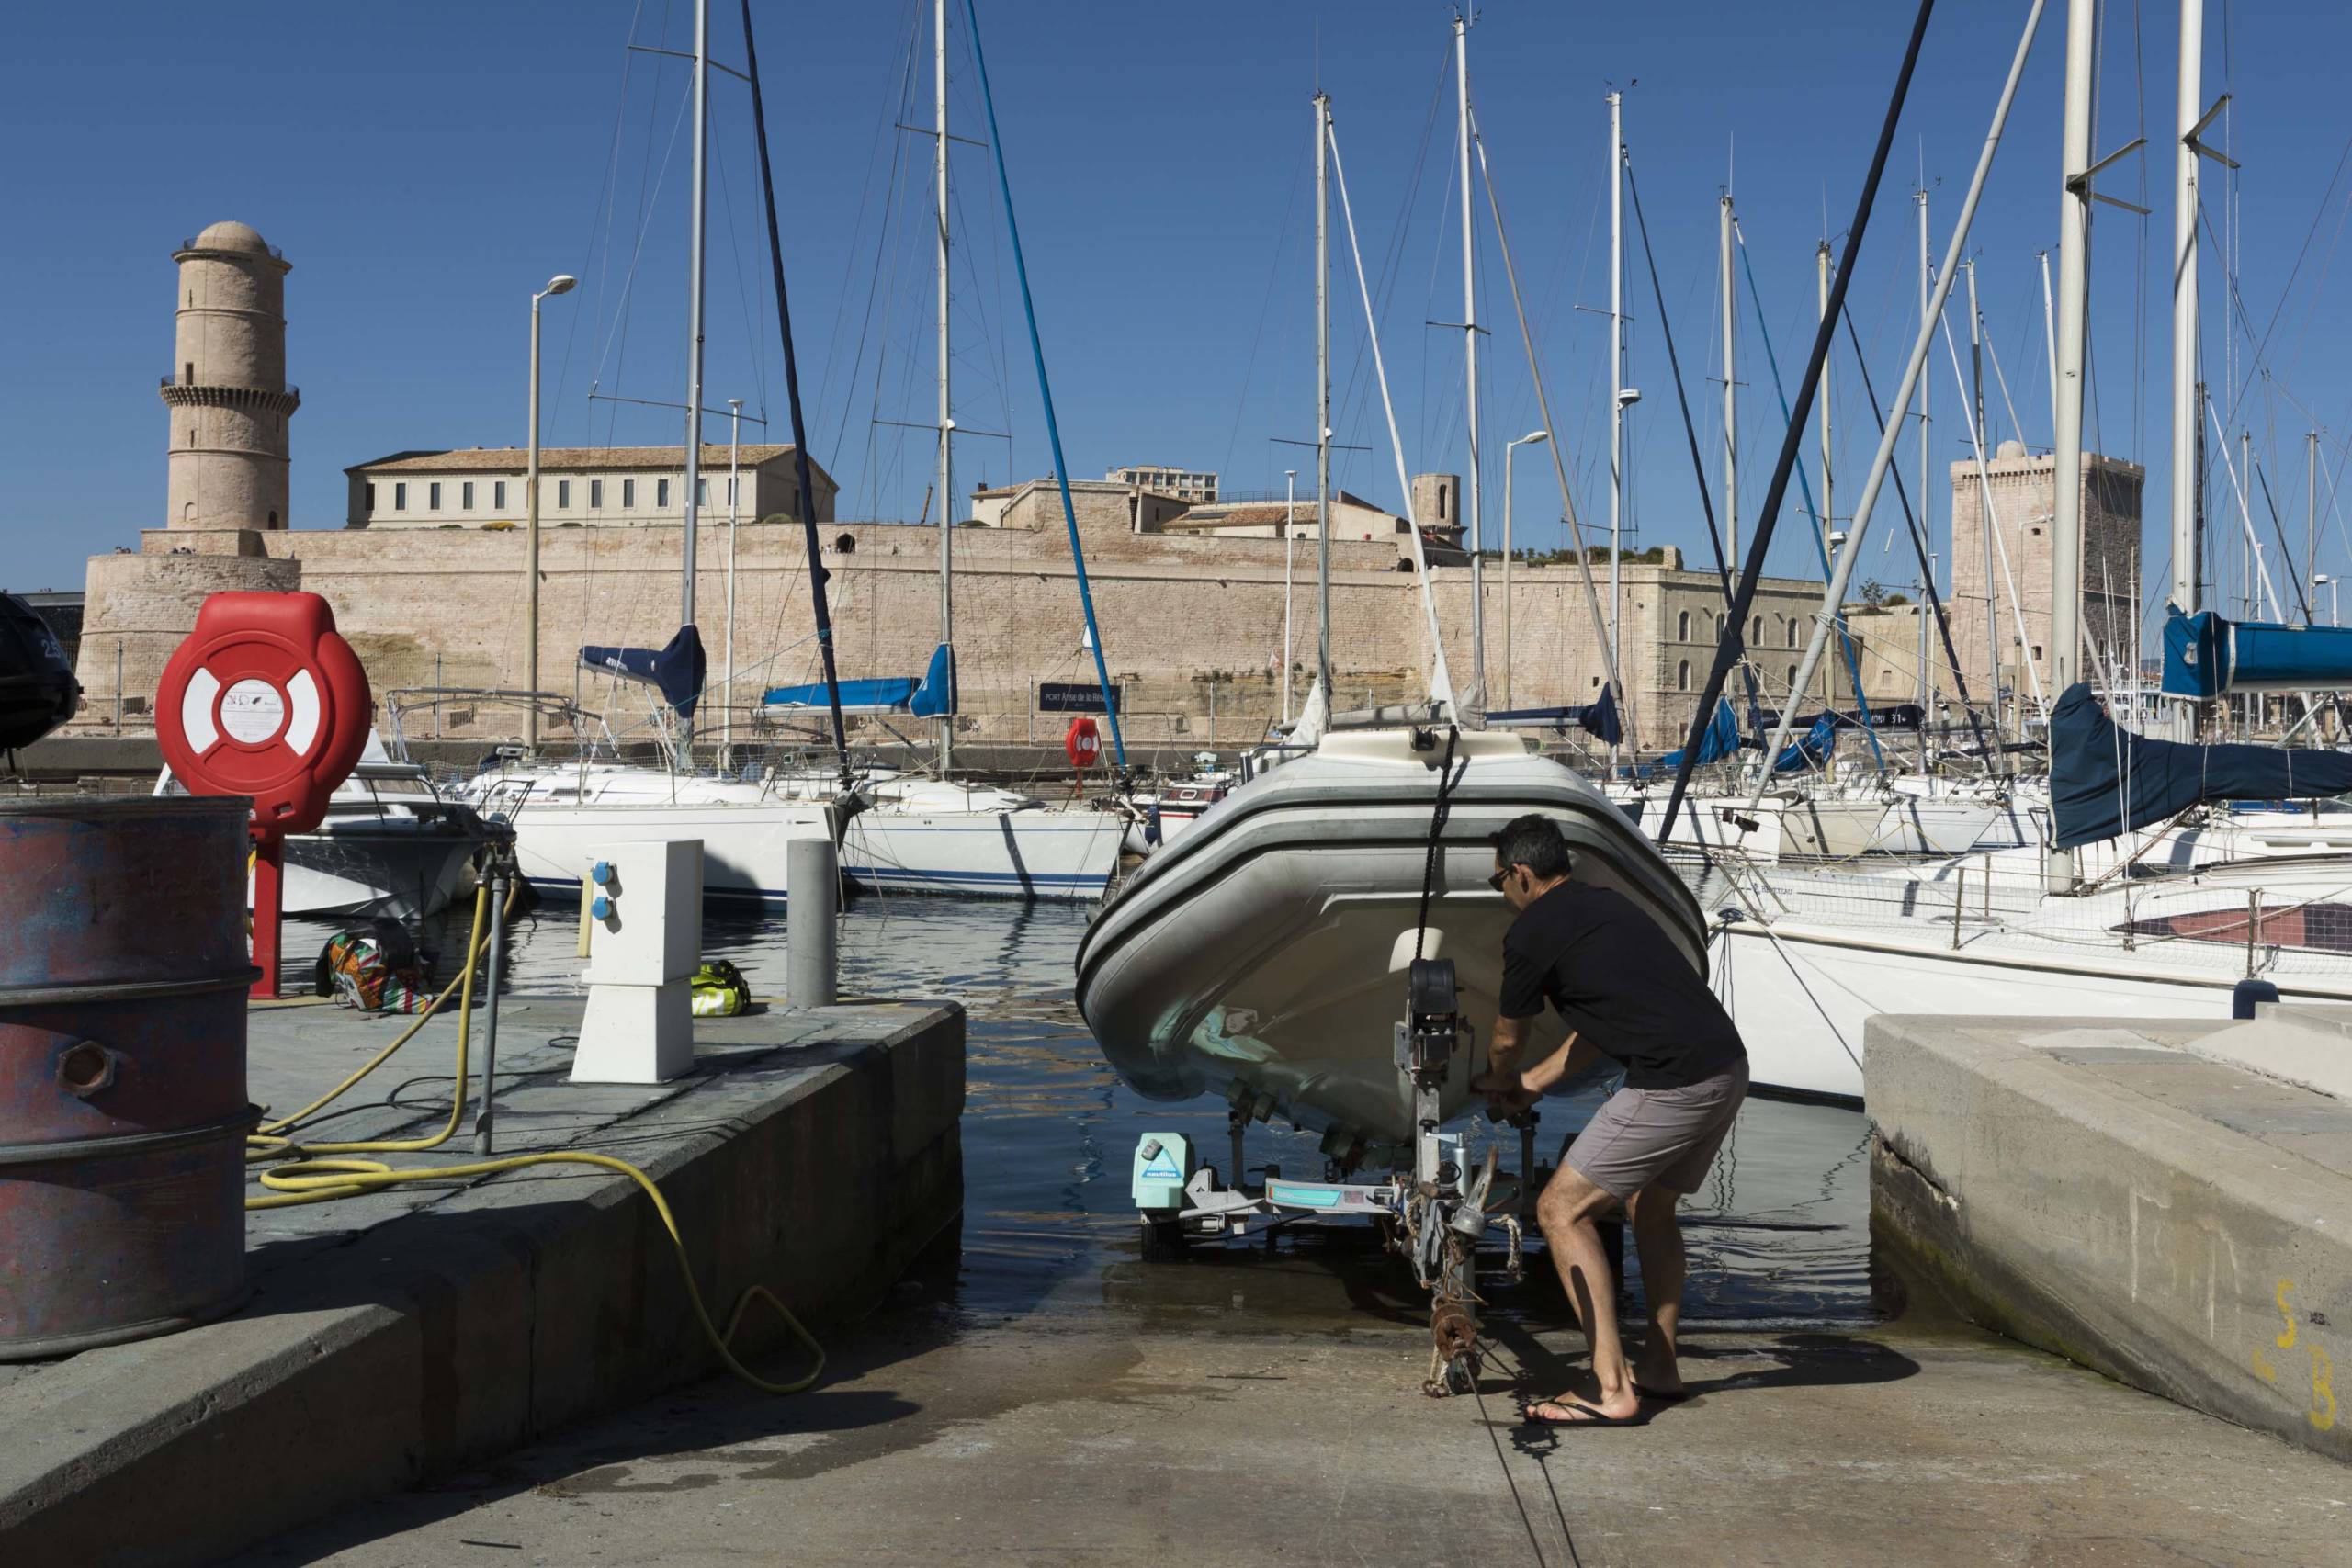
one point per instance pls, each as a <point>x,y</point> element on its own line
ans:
<point>265,699</point>
<point>1084,743</point>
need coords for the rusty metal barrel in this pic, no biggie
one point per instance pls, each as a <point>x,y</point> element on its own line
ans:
<point>123,973</point>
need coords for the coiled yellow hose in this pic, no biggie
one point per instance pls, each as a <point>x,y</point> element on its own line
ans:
<point>307,1178</point>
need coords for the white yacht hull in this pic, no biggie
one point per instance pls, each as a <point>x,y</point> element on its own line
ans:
<point>1032,853</point>
<point>407,869</point>
<point>1801,991</point>
<point>1264,956</point>
<point>743,845</point>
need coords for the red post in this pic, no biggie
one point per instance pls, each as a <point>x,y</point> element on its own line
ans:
<point>269,902</point>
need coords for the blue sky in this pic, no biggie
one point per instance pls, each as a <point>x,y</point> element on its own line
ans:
<point>427,165</point>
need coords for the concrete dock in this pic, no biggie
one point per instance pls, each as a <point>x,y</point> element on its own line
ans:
<point>1247,1409</point>
<point>397,1336</point>
<point>2167,1203</point>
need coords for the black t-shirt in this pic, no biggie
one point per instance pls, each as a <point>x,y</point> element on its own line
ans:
<point>1618,981</point>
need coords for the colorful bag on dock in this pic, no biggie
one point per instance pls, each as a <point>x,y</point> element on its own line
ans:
<point>372,971</point>
<point>721,990</point>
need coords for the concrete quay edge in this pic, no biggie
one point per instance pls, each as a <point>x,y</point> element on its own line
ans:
<point>2053,1202</point>
<point>449,1335</point>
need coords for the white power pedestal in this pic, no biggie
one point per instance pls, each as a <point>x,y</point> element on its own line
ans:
<point>645,940</point>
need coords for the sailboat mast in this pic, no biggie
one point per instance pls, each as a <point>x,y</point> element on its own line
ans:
<point>947,508</point>
<point>1616,381</point>
<point>693,330</point>
<point>2066,477</point>
<point>1731,389</point>
<point>1927,496</point>
<point>1470,374</point>
<point>2186,430</point>
<point>1829,509</point>
<point>1323,399</point>
<point>1992,611</point>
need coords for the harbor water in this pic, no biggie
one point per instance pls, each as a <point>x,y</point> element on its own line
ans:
<point>1778,1238</point>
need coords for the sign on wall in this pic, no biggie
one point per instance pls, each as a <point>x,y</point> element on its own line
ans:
<point>1073,697</point>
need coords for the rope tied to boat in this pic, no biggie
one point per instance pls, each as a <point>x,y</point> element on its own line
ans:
<point>1446,779</point>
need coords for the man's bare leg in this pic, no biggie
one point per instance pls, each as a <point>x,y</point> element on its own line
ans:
<point>1569,1211</point>
<point>1658,1239</point>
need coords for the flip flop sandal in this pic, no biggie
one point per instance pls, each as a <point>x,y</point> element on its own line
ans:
<point>1587,1415</point>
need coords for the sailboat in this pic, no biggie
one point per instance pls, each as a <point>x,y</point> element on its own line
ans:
<point>563,814</point>
<point>931,833</point>
<point>1265,954</point>
<point>1802,962</point>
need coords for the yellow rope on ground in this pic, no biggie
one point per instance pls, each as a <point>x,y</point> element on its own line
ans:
<point>305,1178</point>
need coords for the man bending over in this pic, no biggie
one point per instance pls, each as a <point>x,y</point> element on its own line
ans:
<point>1626,993</point>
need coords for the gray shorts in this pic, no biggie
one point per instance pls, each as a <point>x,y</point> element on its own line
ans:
<point>1658,1137</point>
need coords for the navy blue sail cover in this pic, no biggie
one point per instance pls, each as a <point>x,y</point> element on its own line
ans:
<point>1812,748</point>
<point>675,671</point>
<point>1599,719</point>
<point>2097,769</point>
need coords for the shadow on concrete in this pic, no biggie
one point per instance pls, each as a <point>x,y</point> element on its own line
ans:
<point>741,1433</point>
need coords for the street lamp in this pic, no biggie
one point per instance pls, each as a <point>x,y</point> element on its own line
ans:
<point>561,283</point>
<point>1290,530</point>
<point>1511,448</point>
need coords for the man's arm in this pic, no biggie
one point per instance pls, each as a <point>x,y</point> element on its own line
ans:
<point>1510,1038</point>
<point>1575,1054</point>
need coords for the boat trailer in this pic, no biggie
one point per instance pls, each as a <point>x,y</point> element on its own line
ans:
<point>1435,1215</point>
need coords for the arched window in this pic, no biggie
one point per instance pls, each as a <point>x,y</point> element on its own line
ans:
<point>1682,676</point>
<point>1682,628</point>
<point>1793,677</point>
<point>1757,636</point>
<point>273,519</point>
<point>187,374</point>
<point>1792,631</point>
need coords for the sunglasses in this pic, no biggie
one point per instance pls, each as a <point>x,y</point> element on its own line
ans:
<point>1497,881</point>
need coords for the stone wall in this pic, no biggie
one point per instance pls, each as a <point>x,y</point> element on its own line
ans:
<point>1189,625</point>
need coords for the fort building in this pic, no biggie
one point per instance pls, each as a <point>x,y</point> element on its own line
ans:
<point>483,486</point>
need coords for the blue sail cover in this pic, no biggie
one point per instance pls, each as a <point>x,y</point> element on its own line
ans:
<point>676,669</point>
<point>2096,770</point>
<point>933,696</point>
<point>1720,741</point>
<point>1597,719</point>
<point>1812,748</point>
<point>2205,656</point>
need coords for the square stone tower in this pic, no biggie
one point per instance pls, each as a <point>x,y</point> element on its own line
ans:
<point>2024,491</point>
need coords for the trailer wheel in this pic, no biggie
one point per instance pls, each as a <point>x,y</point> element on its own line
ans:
<point>1163,1237</point>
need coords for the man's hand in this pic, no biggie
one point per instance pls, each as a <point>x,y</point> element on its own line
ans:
<point>1507,1092</point>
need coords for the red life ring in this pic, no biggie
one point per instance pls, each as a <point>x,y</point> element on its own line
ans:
<point>1084,743</point>
<point>265,699</point>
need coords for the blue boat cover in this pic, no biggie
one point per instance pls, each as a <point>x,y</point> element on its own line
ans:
<point>1720,741</point>
<point>1812,748</point>
<point>676,670</point>
<point>1594,718</point>
<point>2205,656</point>
<point>2096,770</point>
<point>933,696</point>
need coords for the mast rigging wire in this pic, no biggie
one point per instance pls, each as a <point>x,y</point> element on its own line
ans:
<point>1768,518</point>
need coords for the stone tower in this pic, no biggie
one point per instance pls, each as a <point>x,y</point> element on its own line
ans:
<point>228,394</point>
<point>2024,488</point>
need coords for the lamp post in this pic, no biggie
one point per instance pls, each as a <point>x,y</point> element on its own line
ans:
<point>1290,523</point>
<point>561,283</point>
<point>1510,449</point>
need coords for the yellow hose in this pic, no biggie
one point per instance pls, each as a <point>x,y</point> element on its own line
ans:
<point>307,1179</point>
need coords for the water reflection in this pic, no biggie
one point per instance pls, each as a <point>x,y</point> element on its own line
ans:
<point>1779,1236</point>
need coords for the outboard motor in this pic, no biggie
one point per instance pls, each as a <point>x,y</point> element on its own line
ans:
<point>37,691</point>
